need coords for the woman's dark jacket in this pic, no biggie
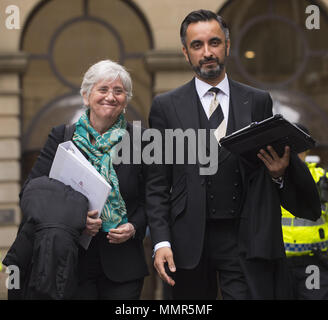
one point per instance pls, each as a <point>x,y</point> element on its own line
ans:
<point>120,262</point>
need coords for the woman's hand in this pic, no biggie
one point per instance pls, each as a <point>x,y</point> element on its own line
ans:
<point>121,233</point>
<point>93,223</point>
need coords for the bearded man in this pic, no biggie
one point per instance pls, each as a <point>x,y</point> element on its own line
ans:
<point>225,228</point>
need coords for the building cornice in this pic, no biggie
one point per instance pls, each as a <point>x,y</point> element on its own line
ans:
<point>165,60</point>
<point>13,62</point>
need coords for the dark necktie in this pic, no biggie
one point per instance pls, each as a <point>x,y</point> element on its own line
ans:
<point>216,118</point>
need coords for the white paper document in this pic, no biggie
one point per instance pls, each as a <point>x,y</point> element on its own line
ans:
<point>73,169</point>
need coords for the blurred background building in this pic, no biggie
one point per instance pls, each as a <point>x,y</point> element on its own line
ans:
<point>45,46</point>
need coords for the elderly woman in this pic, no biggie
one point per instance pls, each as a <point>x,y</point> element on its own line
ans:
<point>113,266</point>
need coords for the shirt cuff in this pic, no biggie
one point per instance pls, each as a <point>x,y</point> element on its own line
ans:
<point>161,244</point>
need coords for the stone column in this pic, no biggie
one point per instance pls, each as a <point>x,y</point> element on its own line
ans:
<point>11,65</point>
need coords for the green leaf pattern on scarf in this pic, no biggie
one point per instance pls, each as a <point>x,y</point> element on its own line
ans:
<point>100,156</point>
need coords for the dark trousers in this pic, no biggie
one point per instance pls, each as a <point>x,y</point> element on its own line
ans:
<point>297,267</point>
<point>219,267</point>
<point>95,285</point>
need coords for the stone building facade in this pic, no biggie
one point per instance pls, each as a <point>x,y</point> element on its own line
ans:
<point>45,46</point>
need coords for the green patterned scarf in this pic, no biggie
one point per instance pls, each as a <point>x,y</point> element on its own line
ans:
<point>100,155</point>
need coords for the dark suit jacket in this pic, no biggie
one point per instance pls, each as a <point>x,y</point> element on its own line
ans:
<point>176,195</point>
<point>116,259</point>
<point>170,211</point>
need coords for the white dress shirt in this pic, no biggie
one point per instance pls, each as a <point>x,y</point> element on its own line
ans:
<point>206,97</point>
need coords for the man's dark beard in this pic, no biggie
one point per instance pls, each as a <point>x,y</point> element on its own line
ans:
<point>209,73</point>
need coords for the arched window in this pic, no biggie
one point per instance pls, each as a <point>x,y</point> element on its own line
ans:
<point>63,38</point>
<point>272,48</point>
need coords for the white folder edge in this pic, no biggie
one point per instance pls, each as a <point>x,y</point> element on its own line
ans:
<point>76,168</point>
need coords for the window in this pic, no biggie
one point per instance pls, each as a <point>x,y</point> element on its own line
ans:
<point>63,38</point>
<point>271,48</point>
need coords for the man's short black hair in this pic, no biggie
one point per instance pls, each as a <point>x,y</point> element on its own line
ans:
<point>201,15</point>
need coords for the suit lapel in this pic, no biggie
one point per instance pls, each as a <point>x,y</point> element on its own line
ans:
<point>241,104</point>
<point>186,107</point>
<point>240,113</point>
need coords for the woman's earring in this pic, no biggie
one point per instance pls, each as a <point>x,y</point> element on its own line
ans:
<point>124,110</point>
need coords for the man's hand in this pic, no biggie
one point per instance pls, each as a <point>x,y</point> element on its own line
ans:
<point>163,255</point>
<point>273,162</point>
<point>93,223</point>
<point>121,233</point>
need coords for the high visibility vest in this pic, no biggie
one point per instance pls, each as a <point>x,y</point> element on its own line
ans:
<point>301,236</point>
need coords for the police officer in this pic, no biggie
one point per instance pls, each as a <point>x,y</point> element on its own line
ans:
<point>306,243</point>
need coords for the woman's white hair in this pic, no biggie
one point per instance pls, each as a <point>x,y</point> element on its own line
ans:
<point>106,70</point>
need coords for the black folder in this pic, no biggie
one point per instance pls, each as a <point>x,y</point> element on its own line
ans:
<point>275,131</point>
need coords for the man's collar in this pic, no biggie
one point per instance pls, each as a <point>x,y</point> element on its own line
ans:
<point>202,87</point>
